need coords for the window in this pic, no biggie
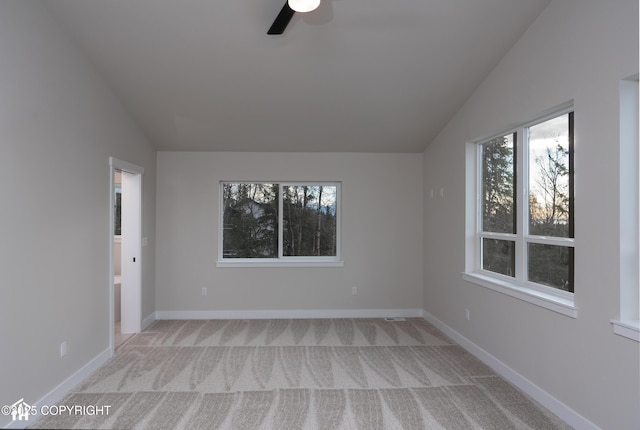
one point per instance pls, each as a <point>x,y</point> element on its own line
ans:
<point>498,205</point>
<point>550,232</point>
<point>280,223</point>
<point>628,324</point>
<point>524,246</point>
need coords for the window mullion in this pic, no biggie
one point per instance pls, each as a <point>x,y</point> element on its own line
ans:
<point>280,220</point>
<point>522,204</point>
<point>478,239</point>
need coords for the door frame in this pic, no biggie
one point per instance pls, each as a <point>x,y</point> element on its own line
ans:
<point>134,285</point>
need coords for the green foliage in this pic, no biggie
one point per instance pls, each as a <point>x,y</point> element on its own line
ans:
<point>309,221</point>
<point>499,256</point>
<point>551,265</point>
<point>550,204</point>
<point>498,185</point>
<point>251,220</point>
<point>549,197</point>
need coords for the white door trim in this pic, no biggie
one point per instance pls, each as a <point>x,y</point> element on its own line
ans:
<point>124,166</point>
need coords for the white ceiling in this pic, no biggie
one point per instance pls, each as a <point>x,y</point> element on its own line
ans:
<point>354,75</point>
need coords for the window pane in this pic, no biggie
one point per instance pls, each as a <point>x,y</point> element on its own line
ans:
<point>549,182</point>
<point>250,223</point>
<point>309,220</point>
<point>498,185</point>
<point>551,265</point>
<point>499,256</point>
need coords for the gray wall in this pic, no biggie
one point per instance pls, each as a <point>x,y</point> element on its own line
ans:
<point>381,233</point>
<point>576,50</point>
<point>59,124</point>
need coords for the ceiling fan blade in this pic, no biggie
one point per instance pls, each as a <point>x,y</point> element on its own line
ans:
<point>282,20</point>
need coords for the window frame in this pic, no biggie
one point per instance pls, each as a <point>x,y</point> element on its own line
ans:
<point>517,286</point>
<point>627,324</point>
<point>281,260</point>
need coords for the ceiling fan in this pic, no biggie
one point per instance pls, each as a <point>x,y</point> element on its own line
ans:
<point>286,13</point>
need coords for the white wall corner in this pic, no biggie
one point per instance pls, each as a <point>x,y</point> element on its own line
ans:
<point>150,319</point>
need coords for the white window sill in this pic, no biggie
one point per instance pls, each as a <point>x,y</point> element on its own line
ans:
<point>285,263</point>
<point>554,303</point>
<point>627,328</point>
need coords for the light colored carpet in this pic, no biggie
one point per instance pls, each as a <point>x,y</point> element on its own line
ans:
<point>324,374</point>
<point>118,337</point>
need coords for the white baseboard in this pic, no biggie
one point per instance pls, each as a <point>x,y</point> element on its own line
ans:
<point>148,321</point>
<point>288,314</point>
<point>59,392</point>
<point>564,412</point>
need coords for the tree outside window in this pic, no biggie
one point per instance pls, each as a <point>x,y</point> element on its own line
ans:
<point>529,240</point>
<point>276,221</point>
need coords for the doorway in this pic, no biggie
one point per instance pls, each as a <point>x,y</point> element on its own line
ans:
<point>125,283</point>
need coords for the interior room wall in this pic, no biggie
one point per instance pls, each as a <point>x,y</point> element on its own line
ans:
<point>576,50</point>
<point>59,123</point>
<point>381,234</point>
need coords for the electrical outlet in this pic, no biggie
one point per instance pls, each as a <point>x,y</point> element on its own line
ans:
<point>354,290</point>
<point>204,291</point>
<point>467,314</point>
<point>63,349</point>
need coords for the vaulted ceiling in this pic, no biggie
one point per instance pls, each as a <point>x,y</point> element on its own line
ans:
<point>353,75</point>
